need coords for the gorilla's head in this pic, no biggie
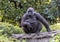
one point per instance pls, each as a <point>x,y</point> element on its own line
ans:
<point>30,10</point>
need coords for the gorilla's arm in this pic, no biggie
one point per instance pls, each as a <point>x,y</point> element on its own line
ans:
<point>44,22</point>
<point>23,20</point>
<point>25,23</point>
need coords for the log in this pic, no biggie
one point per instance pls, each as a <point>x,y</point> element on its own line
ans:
<point>42,37</point>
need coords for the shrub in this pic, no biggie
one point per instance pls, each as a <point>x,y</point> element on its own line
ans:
<point>8,29</point>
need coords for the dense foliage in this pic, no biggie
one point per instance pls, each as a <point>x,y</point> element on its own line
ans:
<point>10,12</point>
<point>8,29</point>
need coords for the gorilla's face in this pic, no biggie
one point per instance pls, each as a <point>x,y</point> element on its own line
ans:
<point>30,11</point>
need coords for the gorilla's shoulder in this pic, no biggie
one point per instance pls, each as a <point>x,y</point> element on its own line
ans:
<point>36,13</point>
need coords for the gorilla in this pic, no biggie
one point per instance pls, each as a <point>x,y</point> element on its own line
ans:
<point>32,21</point>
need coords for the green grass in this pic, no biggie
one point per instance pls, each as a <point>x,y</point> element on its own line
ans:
<point>55,26</point>
<point>52,27</point>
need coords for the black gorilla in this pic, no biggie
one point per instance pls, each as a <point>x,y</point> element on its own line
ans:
<point>31,22</point>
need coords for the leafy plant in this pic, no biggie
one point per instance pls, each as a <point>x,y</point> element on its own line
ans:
<point>9,29</point>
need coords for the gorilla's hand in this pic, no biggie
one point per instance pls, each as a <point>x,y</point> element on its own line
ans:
<point>26,24</point>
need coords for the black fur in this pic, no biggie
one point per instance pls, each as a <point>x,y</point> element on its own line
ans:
<point>32,22</point>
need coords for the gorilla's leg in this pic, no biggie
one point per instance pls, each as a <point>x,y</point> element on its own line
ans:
<point>27,27</point>
<point>39,28</point>
<point>26,30</point>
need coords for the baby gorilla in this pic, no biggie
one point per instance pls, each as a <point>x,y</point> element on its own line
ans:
<point>31,22</point>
